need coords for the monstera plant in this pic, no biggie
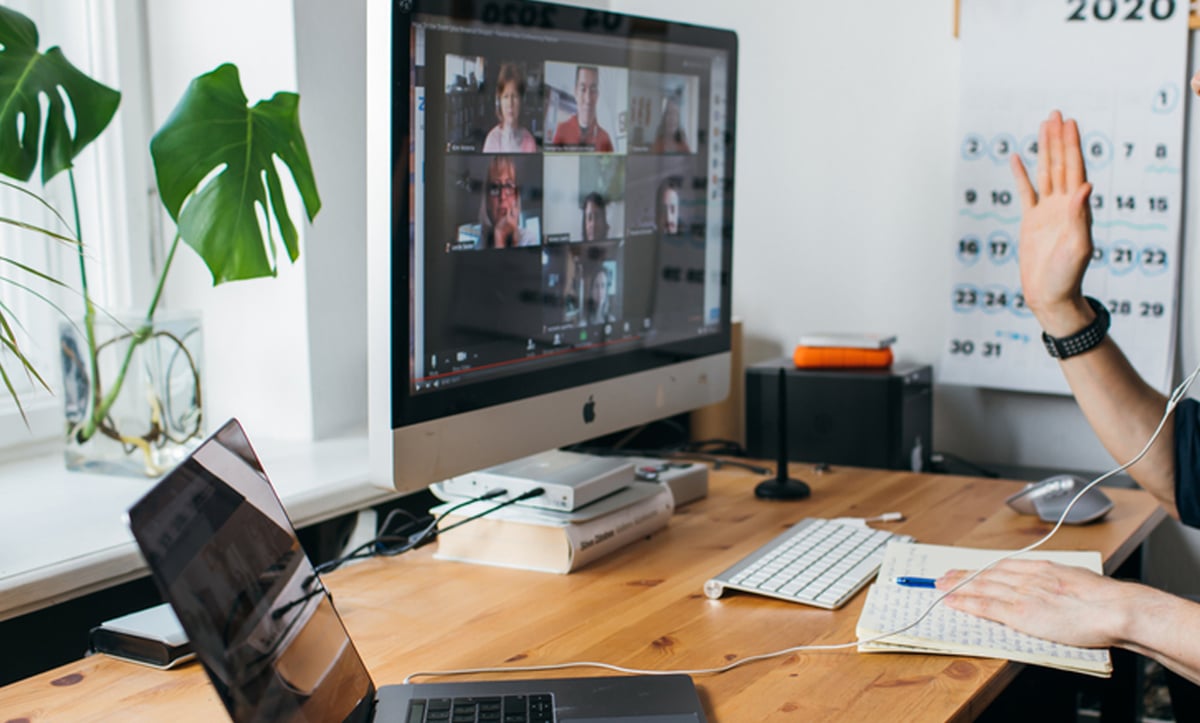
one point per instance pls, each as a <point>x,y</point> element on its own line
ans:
<point>215,165</point>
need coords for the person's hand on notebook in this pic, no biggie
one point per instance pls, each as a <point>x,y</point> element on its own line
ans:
<point>1057,602</point>
<point>1074,606</point>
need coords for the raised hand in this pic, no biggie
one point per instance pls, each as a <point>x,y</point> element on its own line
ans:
<point>1056,240</point>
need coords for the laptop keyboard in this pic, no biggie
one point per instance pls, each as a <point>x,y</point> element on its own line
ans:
<point>534,708</point>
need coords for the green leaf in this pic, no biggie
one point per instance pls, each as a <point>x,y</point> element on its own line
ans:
<point>8,340</point>
<point>43,202</point>
<point>32,271</point>
<point>38,229</point>
<point>213,135</point>
<point>25,76</point>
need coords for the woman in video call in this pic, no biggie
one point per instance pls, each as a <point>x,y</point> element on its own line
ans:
<point>501,223</point>
<point>670,137</point>
<point>507,136</point>
<point>598,306</point>
<point>595,217</point>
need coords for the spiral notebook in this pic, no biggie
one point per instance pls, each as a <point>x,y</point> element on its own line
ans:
<point>945,631</point>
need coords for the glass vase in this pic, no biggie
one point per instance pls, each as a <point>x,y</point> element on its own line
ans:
<point>134,407</point>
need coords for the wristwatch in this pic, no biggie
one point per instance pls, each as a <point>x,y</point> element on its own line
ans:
<point>1084,339</point>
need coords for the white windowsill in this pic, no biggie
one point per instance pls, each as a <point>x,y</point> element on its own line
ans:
<point>63,534</point>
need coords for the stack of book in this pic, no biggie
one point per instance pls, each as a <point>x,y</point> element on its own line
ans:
<point>552,541</point>
<point>840,350</point>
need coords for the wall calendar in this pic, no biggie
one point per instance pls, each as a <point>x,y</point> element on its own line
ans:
<point>1119,67</point>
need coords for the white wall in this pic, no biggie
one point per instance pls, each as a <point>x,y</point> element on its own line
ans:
<point>844,196</point>
<point>847,130</point>
<point>285,355</point>
<point>331,72</point>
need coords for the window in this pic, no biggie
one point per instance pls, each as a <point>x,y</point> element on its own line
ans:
<point>102,38</point>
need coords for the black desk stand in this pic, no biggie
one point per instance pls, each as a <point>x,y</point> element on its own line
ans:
<point>782,487</point>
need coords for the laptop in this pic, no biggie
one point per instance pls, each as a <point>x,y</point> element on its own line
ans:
<point>225,556</point>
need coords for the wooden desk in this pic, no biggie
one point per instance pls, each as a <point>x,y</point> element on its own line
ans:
<point>643,607</point>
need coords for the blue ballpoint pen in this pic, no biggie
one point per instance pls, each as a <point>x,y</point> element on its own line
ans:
<point>916,581</point>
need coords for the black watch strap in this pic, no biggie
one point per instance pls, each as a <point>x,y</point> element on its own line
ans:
<point>1086,338</point>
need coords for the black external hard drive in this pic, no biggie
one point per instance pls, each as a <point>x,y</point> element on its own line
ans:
<point>151,637</point>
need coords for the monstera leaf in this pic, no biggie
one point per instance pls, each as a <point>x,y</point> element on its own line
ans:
<point>25,76</point>
<point>213,138</point>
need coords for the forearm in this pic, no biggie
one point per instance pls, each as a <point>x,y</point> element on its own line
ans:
<point>1124,411</point>
<point>1166,628</point>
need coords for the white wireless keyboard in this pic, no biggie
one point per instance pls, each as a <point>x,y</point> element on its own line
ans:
<point>816,562</point>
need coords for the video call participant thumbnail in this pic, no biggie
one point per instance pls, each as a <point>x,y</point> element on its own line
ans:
<point>580,108</point>
<point>501,183</point>
<point>667,195</point>
<point>584,198</point>
<point>670,137</point>
<point>508,136</point>
<point>663,112</point>
<point>582,289</point>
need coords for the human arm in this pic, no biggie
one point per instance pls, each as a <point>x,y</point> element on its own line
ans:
<point>1055,249</point>
<point>1075,606</point>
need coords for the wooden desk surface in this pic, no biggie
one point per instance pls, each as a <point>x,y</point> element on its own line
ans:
<point>643,607</point>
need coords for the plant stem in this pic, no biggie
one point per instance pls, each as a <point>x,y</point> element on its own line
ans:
<point>162,279</point>
<point>89,313</point>
<point>140,335</point>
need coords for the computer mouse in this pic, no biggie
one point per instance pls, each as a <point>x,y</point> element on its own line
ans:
<point>1048,498</point>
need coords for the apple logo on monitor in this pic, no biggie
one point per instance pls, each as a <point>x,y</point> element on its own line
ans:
<point>589,410</point>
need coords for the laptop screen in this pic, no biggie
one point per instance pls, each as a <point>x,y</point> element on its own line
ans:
<point>226,557</point>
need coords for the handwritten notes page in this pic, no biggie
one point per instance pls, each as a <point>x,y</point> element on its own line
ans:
<point>1120,69</point>
<point>950,632</point>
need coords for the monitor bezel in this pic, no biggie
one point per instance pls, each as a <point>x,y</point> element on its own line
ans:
<point>677,375</point>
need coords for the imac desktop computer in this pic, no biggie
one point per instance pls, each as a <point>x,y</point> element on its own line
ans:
<point>550,213</point>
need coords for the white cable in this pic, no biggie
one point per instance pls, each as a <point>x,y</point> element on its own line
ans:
<point>1173,400</point>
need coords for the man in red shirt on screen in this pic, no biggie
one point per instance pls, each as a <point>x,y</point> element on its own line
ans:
<point>582,129</point>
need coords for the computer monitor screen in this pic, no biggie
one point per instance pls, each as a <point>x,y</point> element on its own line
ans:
<point>559,206</point>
